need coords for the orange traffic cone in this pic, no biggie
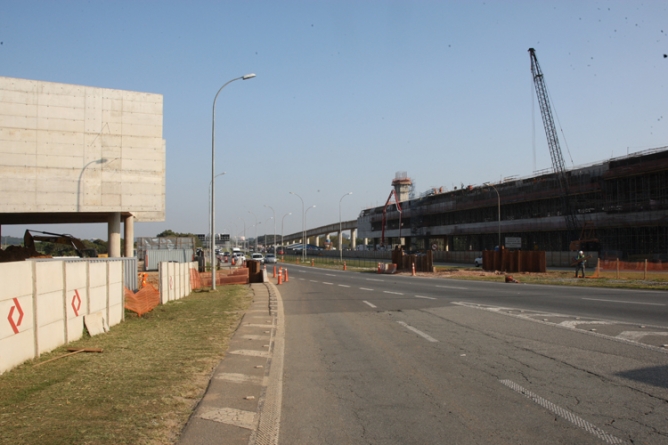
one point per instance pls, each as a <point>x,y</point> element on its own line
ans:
<point>280,279</point>
<point>312,263</point>
<point>344,266</point>
<point>285,278</point>
<point>274,272</point>
<point>413,269</point>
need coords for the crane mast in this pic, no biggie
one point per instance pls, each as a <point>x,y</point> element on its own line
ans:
<point>553,143</point>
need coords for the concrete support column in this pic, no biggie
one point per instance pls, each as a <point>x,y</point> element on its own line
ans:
<point>114,234</point>
<point>317,241</point>
<point>353,238</point>
<point>339,236</point>
<point>129,236</point>
<point>365,242</point>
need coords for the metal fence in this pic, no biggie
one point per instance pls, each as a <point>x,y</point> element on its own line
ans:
<point>130,279</point>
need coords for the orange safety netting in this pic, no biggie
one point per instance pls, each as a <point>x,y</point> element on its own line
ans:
<point>143,301</point>
<point>236,276</point>
<point>195,279</point>
<point>633,265</point>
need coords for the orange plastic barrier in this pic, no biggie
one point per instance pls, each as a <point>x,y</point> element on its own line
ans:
<point>237,276</point>
<point>143,301</point>
<point>195,280</point>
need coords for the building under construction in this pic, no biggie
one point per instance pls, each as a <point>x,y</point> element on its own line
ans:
<point>619,207</point>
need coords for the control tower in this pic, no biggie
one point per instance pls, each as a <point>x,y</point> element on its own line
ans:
<point>402,186</point>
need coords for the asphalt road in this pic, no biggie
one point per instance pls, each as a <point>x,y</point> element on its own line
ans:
<point>384,359</point>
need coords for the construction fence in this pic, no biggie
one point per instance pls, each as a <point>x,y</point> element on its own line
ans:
<point>630,270</point>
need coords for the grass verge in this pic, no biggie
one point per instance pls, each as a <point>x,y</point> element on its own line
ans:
<point>140,390</point>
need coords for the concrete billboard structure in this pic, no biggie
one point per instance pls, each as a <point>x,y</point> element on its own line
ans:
<point>78,154</point>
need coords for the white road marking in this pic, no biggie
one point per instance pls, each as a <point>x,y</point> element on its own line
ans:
<point>453,287</point>
<point>302,279</point>
<point>325,282</point>
<point>590,428</point>
<point>428,298</point>
<point>313,281</point>
<point>624,302</point>
<point>343,285</point>
<point>365,288</point>
<point>369,303</point>
<point>373,279</point>
<point>393,293</point>
<point>418,332</point>
<point>330,275</point>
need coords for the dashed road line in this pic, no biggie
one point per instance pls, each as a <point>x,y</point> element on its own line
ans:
<point>590,428</point>
<point>343,285</point>
<point>325,282</point>
<point>393,293</point>
<point>418,332</point>
<point>365,288</point>
<point>624,302</point>
<point>422,296</point>
<point>372,305</point>
<point>330,275</point>
<point>314,281</point>
<point>373,279</point>
<point>453,287</point>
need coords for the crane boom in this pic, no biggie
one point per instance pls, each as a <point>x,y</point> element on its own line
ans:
<point>553,144</point>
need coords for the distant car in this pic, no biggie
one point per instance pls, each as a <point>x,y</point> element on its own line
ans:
<point>258,257</point>
<point>478,262</point>
<point>270,259</point>
<point>281,252</point>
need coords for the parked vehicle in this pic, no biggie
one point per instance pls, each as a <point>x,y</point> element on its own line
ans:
<point>478,262</point>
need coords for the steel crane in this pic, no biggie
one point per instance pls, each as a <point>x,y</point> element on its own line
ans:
<point>572,223</point>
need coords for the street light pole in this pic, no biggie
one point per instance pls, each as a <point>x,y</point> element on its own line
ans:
<point>282,221</point>
<point>274,217</point>
<point>340,231</point>
<point>244,243</point>
<point>255,229</point>
<point>303,226</point>
<point>213,176</point>
<point>212,244</point>
<point>498,209</point>
<point>306,213</point>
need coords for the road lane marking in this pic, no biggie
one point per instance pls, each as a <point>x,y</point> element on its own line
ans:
<point>302,279</point>
<point>453,287</point>
<point>393,293</point>
<point>313,281</point>
<point>365,288</point>
<point>343,285</point>
<point>325,282</point>
<point>369,304</point>
<point>373,279</point>
<point>330,275</point>
<point>428,298</point>
<point>418,332</point>
<point>624,302</point>
<point>590,428</point>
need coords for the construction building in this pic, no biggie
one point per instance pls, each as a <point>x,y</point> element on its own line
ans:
<point>620,205</point>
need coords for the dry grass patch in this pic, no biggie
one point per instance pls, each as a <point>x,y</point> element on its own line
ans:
<point>140,390</point>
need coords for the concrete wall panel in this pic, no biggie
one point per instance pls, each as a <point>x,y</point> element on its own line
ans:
<point>76,298</point>
<point>97,287</point>
<point>60,128</point>
<point>49,305</point>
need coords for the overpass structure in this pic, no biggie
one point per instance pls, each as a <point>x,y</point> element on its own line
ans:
<point>316,233</point>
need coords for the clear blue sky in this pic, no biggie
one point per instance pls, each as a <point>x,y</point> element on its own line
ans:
<point>349,92</point>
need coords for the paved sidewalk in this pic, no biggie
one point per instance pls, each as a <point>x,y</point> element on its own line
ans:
<point>242,403</point>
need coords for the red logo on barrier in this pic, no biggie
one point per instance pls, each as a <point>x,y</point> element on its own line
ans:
<point>76,302</point>
<point>10,317</point>
<point>171,282</point>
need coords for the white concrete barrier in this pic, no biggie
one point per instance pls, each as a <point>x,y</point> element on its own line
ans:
<point>174,279</point>
<point>43,304</point>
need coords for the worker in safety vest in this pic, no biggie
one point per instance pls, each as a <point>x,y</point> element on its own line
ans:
<point>580,264</point>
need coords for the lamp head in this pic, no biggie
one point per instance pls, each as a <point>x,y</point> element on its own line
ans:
<point>248,76</point>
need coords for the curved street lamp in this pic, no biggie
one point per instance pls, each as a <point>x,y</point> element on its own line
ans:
<point>303,225</point>
<point>212,243</point>
<point>213,176</point>
<point>306,245</point>
<point>256,224</point>
<point>282,221</point>
<point>340,231</point>
<point>274,218</point>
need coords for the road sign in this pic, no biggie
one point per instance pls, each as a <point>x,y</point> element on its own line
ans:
<point>513,242</point>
